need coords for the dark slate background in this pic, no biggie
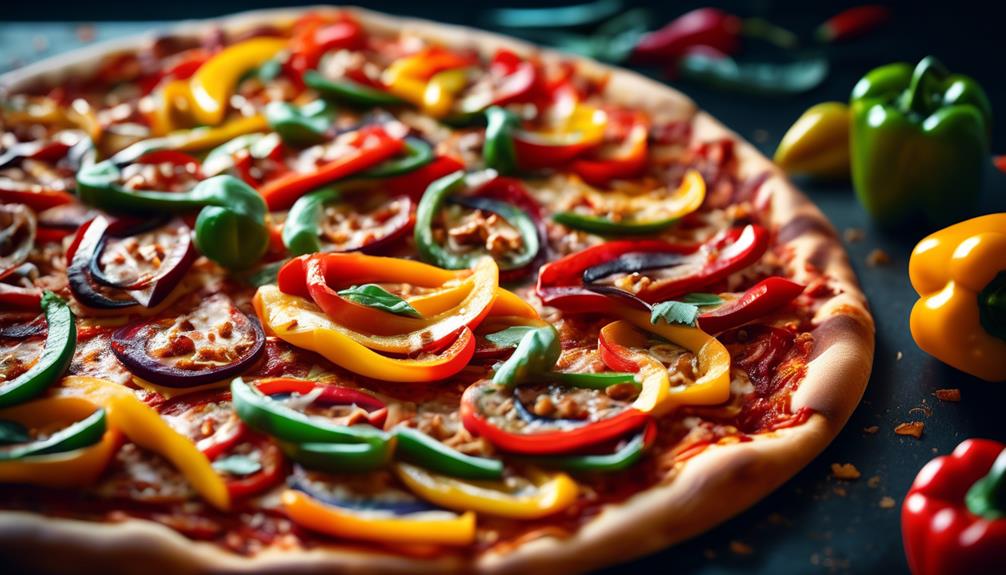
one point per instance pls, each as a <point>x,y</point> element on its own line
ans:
<point>814,523</point>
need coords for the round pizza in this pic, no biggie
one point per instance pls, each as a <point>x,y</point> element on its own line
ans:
<point>330,290</point>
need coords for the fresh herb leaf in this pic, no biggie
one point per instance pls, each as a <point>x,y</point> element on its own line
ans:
<point>702,299</point>
<point>373,295</point>
<point>237,465</point>
<point>12,432</point>
<point>674,312</point>
<point>536,353</point>
<point>509,337</point>
<point>265,275</point>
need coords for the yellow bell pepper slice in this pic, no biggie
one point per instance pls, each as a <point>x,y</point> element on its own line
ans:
<point>77,468</point>
<point>817,144</point>
<point>440,91</point>
<point>419,528</point>
<point>508,303</point>
<point>302,324</point>
<point>170,100</point>
<point>143,426</point>
<point>552,493</point>
<point>957,273</point>
<point>214,81</point>
<point>712,387</point>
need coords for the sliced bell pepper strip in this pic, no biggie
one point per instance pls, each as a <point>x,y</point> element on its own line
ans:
<point>86,426</point>
<point>536,353</point>
<point>620,460</point>
<point>79,466</point>
<point>440,91</point>
<point>302,324</point>
<point>314,276</point>
<point>688,198</point>
<point>550,442</point>
<point>764,297</point>
<point>423,528</point>
<point>601,380</point>
<point>60,343</point>
<point>144,426</point>
<point>626,161</point>
<point>581,131</point>
<point>420,449</point>
<point>302,227</point>
<point>430,206</point>
<point>19,297</point>
<point>552,493</point>
<point>300,125</point>
<point>315,34</point>
<point>369,147</point>
<point>17,236</point>
<point>498,151</point>
<point>712,387</point>
<point>346,90</point>
<point>418,153</point>
<point>412,76</point>
<point>212,84</point>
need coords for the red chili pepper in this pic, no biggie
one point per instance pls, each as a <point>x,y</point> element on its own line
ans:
<point>371,145</point>
<point>702,27</point>
<point>766,296</point>
<point>1000,162</point>
<point>952,520</point>
<point>551,442</point>
<point>561,285</point>
<point>853,22</point>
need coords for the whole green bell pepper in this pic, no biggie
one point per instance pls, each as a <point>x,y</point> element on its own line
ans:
<point>919,143</point>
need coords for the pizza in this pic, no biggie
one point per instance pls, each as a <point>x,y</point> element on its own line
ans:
<point>331,290</point>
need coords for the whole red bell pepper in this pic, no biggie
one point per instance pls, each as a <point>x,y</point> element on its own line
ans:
<point>954,517</point>
<point>1000,162</point>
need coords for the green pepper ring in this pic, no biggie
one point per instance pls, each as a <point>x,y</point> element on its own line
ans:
<point>77,435</point>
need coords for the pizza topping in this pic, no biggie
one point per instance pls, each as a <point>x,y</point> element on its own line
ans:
<point>619,213</point>
<point>20,384</point>
<point>17,236</point>
<point>50,425</point>
<point>329,221</point>
<point>211,343</point>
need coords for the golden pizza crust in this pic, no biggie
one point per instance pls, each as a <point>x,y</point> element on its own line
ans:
<point>713,486</point>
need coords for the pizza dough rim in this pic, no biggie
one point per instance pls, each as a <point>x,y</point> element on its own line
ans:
<point>650,520</point>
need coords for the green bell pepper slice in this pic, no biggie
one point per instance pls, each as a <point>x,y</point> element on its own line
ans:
<point>77,435</point>
<point>535,355</point>
<point>350,92</point>
<point>605,227</point>
<point>437,194</point>
<point>919,144</point>
<point>60,343</point>
<point>499,151</point>
<point>339,457</point>
<point>301,228</point>
<point>599,381</point>
<point>300,125</point>
<point>418,153</point>
<point>420,449</point>
<point>221,158</point>
<point>230,228</point>
<point>620,460</point>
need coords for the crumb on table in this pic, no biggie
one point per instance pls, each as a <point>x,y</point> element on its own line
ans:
<point>951,395</point>
<point>845,471</point>
<point>878,257</point>
<point>912,428</point>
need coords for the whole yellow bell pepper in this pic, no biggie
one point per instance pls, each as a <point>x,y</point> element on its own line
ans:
<point>439,528</point>
<point>77,468</point>
<point>214,81</point>
<point>143,426</point>
<point>552,493</point>
<point>817,144</point>
<point>960,274</point>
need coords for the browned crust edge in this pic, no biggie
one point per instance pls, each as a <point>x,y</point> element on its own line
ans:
<point>651,520</point>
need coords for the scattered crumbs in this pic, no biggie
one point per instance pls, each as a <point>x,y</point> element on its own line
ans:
<point>740,548</point>
<point>874,481</point>
<point>887,502</point>
<point>951,395</point>
<point>709,554</point>
<point>871,429</point>
<point>86,33</point>
<point>40,43</point>
<point>913,428</point>
<point>878,257</point>
<point>840,491</point>
<point>899,356</point>
<point>760,136</point>
<point>845,471</point>
<point>853,235</point>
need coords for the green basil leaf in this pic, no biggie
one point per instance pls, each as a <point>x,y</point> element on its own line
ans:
<point>237,465</point>
<point>509,337</point>
<point>12,432</point>
<point>536,353</point>
<point>702,299</point>
<point>674,312</point>
<point>373,295</point>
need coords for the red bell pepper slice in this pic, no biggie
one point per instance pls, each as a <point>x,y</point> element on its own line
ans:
<point>627,160</point>
<point>615,355</point>
<point>555,442</point>
<point>518,79</point>
<point>315,34</point>
<point>764,297</point>
<point>940,528</point>
<point>35,196</point>
<point>377,410</point>
<point>19,297</point>
<point>371,145</point>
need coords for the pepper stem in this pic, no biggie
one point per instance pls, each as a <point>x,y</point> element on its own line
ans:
<point>992,307</point>
<point>987,497</point>
<point>917,98</point>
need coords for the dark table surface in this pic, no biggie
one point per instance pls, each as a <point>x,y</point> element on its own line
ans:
<point>814,523</point>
